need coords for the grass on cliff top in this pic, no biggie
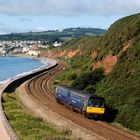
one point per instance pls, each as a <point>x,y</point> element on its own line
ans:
<point>27,126</point>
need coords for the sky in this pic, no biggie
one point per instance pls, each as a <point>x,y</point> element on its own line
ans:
<point>42,15</point>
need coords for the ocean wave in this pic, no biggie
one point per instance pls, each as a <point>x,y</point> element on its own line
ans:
<point>45,63</point>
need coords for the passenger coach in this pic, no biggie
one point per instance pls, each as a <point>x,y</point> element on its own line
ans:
<point>84,102</point>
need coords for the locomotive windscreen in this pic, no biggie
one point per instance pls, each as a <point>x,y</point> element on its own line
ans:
<point>96,102</point>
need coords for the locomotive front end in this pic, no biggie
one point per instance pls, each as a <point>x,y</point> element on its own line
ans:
<point>96,106</point>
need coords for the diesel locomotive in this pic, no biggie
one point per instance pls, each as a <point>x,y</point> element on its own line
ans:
<point>81,101</point>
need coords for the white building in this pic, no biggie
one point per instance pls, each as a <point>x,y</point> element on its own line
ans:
<point>36,53</point>
<point>25,49</point>
<point>56,44</point>
<point>2,51</point>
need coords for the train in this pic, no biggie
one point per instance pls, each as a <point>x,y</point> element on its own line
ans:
<point>88,104</point>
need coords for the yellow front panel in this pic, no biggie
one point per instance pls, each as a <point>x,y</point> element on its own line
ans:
<point>95,110</point>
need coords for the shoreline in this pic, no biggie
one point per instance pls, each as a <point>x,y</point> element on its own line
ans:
<point>23,55</point>
<point>6,130</point>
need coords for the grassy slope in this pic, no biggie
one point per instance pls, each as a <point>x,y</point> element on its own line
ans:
<point>26,125</point>
<point>121,86</point>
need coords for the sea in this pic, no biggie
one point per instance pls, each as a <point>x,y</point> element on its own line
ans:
<point>13,67</point>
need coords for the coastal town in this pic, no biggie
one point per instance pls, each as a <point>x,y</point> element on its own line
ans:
<point>31,48</point>
<point>70,70</point>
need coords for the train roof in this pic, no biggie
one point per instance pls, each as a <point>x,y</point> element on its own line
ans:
<point>78,92</point>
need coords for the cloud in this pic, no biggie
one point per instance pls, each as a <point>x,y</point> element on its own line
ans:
<point>9,29</point>
<point>39,29</point>
<point>2,24</point>
<point>14,29</point>
<point>68,7</point>
<point>24,19</point>
<point>5,30</point>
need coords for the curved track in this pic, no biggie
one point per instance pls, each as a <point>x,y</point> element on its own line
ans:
<point>40,88</point>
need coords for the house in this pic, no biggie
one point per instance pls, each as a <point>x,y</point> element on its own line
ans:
<point>31,53</point>
<point>56,44</point>
<point>25,49</point>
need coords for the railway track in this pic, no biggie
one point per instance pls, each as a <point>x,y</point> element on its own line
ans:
<point>40,88</point>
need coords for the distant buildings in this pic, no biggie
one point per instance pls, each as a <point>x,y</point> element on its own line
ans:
<point>26,47</point>
<point>56,44</point>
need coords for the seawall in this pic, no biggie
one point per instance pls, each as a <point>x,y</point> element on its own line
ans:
<point>11,86</point>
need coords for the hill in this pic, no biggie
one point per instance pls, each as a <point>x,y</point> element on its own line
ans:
<point>108,66</point>
<point>54,35</point>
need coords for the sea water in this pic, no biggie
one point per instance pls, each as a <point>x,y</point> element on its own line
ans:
<point>14,66</point>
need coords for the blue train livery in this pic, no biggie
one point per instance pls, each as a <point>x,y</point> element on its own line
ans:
<point>84,102</point>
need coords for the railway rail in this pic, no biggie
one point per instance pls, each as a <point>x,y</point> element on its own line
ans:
<point>40,88</point>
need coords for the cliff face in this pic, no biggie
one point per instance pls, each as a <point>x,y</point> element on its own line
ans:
<point>118,54</point>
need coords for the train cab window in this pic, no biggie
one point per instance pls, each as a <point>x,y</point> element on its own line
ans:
<point>96,102</point>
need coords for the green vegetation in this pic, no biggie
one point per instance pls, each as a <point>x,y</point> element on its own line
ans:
<point>121,86</point>
<point>54,35</point>
<point>27,126</point>
<point>88,80</point>
<point>122,32</point>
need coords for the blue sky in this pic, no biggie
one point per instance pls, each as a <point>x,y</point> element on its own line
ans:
<point>40,15</point>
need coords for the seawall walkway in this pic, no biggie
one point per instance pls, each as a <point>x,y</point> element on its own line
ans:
<point>3,133</point>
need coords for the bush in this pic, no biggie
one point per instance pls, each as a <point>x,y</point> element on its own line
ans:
<point>71,76</point>
<point>91,88</point>
<point>88,78</point>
